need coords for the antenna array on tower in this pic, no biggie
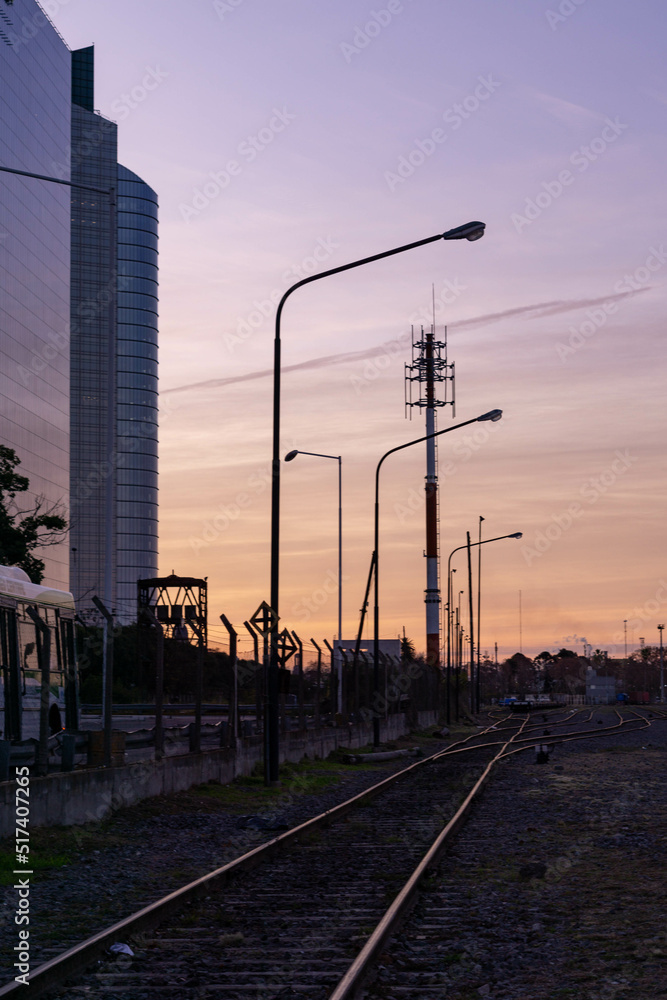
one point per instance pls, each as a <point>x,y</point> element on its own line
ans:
<point>429,378</point>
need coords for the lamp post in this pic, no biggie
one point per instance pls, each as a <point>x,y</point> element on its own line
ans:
<point>470,231</point>
<point>491,415</point>
<point>337,458</point>
<point>450,571</point>
<point>479,609</point>
<point>662,667</point>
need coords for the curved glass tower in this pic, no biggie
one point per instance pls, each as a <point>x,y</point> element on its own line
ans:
<point>137,381</point>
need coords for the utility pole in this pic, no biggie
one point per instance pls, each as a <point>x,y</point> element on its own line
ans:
<point>429,367</point>
<point>472,631</point>
<point>479,611</point>
<point>662,667</point>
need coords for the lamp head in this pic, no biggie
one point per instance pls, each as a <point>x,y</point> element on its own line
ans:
<point>291,455</point>
<point>470,231</point>
<point>517,534</point>
<point>491,415</point>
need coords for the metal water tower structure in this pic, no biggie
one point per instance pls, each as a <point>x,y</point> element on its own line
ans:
<point>429,385</point>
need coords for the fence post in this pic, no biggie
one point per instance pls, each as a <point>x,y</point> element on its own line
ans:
<point>259,677</point>
<point>319,684</point>
<point>332,681</point>
<point>159,681</point>
<point>234,692</point>
<point>299,690</point>
<point>107,671</point>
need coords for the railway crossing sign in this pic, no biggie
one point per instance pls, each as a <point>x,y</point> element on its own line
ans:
<point>264,619</point>
<point>286,647</point>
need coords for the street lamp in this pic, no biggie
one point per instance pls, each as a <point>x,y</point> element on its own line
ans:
<point>290,458</point>
<point>491,415</point>
<point>515,534</point>
<point>470,231</point>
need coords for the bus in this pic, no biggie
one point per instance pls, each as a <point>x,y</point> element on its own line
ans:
<point>39,689</point>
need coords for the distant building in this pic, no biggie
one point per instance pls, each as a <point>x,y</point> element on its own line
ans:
<point>387,647</point>
<point>600,690</point>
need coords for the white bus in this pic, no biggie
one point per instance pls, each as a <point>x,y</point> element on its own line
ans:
<point>39,692</point>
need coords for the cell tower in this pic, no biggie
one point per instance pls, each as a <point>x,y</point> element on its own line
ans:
<point>429,384</point>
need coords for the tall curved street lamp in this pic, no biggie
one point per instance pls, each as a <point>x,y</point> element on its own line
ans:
<point>491,415</point>
<point>499,538</point>
<point>470,231</point>
<point>290,458</point>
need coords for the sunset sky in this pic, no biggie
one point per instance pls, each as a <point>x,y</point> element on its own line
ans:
<point>284,137</point>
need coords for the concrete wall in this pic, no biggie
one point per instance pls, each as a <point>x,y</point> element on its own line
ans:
<point>90,795</point>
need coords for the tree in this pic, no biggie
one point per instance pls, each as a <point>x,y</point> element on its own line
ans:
<point>408,651</point>
<point>22,530</point>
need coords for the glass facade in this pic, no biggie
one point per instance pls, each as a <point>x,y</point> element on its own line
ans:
<point>137,381</point>
<point>78,315</point>
<point>114,364</point>
<point>35,107</point>
<point>93,357</point>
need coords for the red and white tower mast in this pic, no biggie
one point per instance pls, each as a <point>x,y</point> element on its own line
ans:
<point>429,381</point>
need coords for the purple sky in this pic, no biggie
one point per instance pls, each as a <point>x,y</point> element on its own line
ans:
<point>340,130</point>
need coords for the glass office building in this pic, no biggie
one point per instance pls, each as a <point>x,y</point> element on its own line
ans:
<point>78,315</point>
<point>93,347</point>
<point>137,381</point>
<point>114,363</point>
<point>35,258</point>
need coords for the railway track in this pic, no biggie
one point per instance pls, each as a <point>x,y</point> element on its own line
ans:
<point>307,920</point>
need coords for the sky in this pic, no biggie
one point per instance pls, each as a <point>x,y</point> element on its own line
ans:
<point>287,138</point>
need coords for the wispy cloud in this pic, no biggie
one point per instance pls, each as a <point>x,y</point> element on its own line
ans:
<point>536,310</point>
<point>565,111</point>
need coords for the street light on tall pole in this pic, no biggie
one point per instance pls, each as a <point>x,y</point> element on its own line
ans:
<point>290,458</point>
<point>450,594</point>
<point>470,231</point>
<point>479,604</point>
<point>662,667</point>
<point>491,415</point>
